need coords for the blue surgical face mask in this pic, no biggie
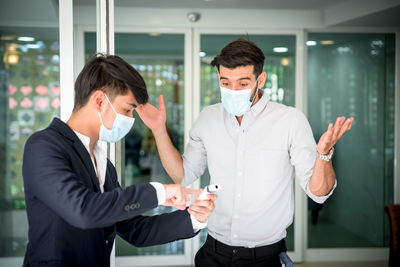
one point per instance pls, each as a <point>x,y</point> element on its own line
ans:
<point>121,127</point>
<point>237,102</point>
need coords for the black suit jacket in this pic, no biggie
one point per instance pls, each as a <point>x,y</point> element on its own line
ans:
<point>71,223</point>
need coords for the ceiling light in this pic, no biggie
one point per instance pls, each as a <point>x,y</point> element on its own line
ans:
<point>26,39</point>
<point>311,43</point>
<point>285,61</point>
<point>327,42</point>
<point>154,34</point>
<point>7,38</point>
<point>280,49</point>
<point>12,59</point>
<point>33,46</point>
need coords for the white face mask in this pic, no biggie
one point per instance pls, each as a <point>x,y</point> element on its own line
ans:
<point>237,102</point>
<point>121,127</point>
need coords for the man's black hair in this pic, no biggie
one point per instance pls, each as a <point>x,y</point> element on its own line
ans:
<point>240,53</point>
<point>111,74</point>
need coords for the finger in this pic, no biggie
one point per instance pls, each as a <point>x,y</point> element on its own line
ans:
<point>161,102</point>
<point>203,203</point>
<point>199,216</point>
<point>200,209</point>
<point>191,191</point>
<point>338,126</point>
<point>329,132</point>
<point>187,198</point>
<point>346,126</point>
<point>206,203</point>
<point>213,197</point>
<point>352,122</point>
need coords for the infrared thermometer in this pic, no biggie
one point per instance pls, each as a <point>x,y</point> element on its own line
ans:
<point>209,189</point>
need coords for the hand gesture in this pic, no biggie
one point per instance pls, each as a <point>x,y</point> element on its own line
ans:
<point>202,209</point>
<point>333,134</point>
<point>154,118</point>
<point>177,196</point>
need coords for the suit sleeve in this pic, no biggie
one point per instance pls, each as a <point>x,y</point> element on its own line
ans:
<point>48,176</point>
<point>144,231</point>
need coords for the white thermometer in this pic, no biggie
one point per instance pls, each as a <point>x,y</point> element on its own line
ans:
<point>209,189</point>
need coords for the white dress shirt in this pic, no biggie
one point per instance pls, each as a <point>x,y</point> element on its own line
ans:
<point>100,170</point>
<point>255,163</point>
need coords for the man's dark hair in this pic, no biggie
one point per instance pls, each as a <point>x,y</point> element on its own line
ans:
<point>240,53</point>
<point>111,74</point>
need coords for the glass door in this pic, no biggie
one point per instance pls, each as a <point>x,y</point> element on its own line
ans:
<point>160,59</point>
<point>354,75</point>
<point>29,99</point>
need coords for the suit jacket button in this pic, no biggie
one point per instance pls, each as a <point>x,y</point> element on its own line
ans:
<point>126,208</point>
<point>135,206</point>
<point>106,242</point>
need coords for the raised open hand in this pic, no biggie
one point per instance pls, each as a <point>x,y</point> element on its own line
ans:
<point>154,118</point>
<point>333,134</point>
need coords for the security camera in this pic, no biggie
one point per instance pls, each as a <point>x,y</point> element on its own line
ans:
<point>193,16</point>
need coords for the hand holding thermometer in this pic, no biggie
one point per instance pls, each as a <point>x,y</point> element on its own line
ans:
<point>209,189</point>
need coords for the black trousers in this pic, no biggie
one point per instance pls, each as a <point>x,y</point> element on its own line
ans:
<point>216,254</point>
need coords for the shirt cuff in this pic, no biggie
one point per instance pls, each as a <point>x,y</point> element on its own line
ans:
<point>197,226</point>
<point>320,199</point>
<point>160,192</point>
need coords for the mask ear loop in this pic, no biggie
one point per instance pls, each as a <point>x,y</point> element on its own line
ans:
<point>255,94</point>
<point>112,104</point>
<point>98,113</point>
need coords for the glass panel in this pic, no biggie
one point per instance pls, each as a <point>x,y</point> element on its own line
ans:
<point>280,84</point>
<point>160,60</point>
<point>353,75</point>
<point>29,99</point>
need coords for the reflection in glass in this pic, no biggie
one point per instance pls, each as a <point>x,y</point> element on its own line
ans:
<point>280,54</point>
<point>159,58</point>
<point>29,99</point>
<point>353,75</point>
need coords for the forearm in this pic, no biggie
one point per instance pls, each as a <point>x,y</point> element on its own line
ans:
<point>170,156</point>
<point>323,178</point>
<point>145,231</point>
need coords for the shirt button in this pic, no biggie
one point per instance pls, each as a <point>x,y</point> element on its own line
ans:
<point>234,236</point>
<point>236,216</point>
<point>238,195</point>
<point>240,173</point>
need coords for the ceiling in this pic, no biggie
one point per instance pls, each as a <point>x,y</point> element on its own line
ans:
<point>377,13</point>
<point>239,4</point>
<point>370,13</point>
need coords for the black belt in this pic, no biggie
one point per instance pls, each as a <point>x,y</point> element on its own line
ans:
<point>269,251</point>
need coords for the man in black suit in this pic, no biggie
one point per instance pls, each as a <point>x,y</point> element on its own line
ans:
<point>74,202</point>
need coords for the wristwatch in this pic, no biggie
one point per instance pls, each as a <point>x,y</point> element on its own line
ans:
<point>327,157</point>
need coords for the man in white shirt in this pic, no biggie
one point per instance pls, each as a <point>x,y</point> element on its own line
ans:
<point>253,148</point>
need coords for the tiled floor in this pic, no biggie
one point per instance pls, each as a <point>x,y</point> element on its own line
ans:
<point>343,264</point>
<point>337,264</point>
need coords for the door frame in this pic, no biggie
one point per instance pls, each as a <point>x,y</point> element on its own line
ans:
<point>155,260</point>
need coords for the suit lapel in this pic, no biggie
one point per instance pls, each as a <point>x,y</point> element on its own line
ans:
<point>64,129</point>
<point>85,157</point>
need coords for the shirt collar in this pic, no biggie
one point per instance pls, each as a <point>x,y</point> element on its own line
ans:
<point>86,142</point>
<point>260,105</point>
<point>84,139</point>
